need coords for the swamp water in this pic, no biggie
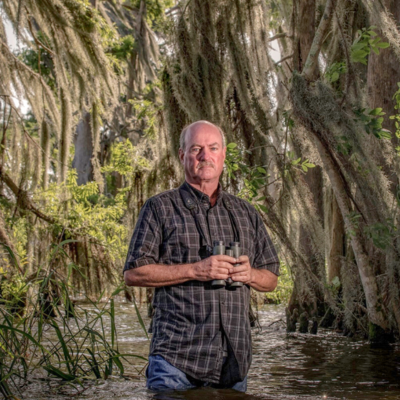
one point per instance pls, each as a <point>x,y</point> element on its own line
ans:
<point>285,366</point>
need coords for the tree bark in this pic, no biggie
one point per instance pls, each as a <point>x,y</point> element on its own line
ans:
<point>304,21</point>
<point>337,241</point>
<point>367,275</point>
<point>312,59</point>
<point>384,72</point>
<point>83,150</point>
<point>382,78</point>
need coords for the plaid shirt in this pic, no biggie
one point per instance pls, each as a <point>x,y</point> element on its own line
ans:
<point>189,316</point>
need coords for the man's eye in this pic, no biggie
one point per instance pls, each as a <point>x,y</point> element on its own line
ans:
<point>195,150</point>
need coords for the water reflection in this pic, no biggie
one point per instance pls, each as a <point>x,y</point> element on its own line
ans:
<point>204,393</point>
<point>294,366</point>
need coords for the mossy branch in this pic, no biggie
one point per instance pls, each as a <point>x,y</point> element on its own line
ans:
<point>23,200</point>
<point>320,34</point>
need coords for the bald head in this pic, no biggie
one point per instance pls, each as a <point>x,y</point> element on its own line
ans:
<point>187,129</point>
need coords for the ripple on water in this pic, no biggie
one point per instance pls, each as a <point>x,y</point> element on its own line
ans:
<point>285,367</point>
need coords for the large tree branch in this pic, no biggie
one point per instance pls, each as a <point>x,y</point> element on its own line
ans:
<point>23,200</point>
<point>319,37</point>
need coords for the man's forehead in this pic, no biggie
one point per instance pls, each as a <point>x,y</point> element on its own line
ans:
<point>204,132</point>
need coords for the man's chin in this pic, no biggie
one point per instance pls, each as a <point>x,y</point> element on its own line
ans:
<point>205,176</point>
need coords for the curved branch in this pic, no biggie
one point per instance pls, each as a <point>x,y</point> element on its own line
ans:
<point>23,200</point>
<point>319,37</point>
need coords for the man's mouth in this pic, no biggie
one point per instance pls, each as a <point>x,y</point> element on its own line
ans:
<point>205,164</point>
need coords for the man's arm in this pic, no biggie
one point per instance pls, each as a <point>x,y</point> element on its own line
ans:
<point>261,280</point>
<point>157,275</point>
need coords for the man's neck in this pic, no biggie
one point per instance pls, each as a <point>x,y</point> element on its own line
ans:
<point>208,188</point>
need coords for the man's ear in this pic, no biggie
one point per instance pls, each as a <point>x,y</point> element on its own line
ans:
<point>181,155</point>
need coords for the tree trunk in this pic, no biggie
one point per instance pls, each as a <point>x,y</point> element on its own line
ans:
<point>384,72</point>
<point>304,28</point>
<point>64,143</point>
<point>336,250</point>
<point>367,275</point>
<point>83,150</point>
<point>383,76</point>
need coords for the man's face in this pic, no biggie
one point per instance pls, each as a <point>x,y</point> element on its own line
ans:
<point>204,155</point>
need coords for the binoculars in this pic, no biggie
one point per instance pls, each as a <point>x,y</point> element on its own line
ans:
<point>233,251</point>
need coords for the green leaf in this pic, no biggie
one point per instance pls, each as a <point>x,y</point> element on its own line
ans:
<point>140,318</point>
<point>10,328</point>
<point>58,373</point>
<point>118,363</point>
<point>375,50</point>
<point>376,111</point>
<point>231,146</point>
<point>385,134</point>
<point>67,356</point>
<point>295,162</point>
<point>335,76</point>
<point>263,208</point>
<point>383,45</point>
<point>262,170</point>
<point>118,290</point>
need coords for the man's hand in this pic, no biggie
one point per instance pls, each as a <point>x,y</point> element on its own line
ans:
<point>214,267</point>
<point>243,272</point>
<point>260,279</point>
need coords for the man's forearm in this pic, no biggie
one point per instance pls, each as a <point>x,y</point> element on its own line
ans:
<point>157,275</point>
<point>263,280</point>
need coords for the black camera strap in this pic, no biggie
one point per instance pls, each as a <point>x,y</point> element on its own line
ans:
<point>228,206</point>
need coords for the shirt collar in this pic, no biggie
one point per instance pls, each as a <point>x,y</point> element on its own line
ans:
<point>192,196</point>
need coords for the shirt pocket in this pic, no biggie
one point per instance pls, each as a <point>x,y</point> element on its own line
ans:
<point>180,242</point>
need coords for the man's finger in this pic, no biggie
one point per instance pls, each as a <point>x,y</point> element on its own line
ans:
<point>225,265</point>
<point>225,258</point>
<point>243,259</point>
<point>239,269</point>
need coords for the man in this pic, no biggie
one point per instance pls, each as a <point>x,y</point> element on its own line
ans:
<point>201,334</point>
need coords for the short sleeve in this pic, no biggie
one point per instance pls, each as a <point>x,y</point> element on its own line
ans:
<point>265,253</point>
<point>146,239</point>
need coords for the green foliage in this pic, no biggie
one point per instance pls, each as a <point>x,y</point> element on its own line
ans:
<point>396,117</point>
<point>67,341</point>
<point>334,71</point>
<point>253,179</point>
<point>364,43</point>
<point>344,145</point>
<point>298,163</point>
<point>155,11</point>
<point>148,112</point>
<point>381,234</point>
<point>125,159</point>
<point>372,121</point>
<point>31,58</point>
<point>284,289</point>
<point>13,291</point>
<point>87,212</point>
<point>354,218</point>
<point>123,47</point>
<point>87,19</point>
<point>120,50</point>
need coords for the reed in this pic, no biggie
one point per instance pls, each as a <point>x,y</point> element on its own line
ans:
<point>43,330</point>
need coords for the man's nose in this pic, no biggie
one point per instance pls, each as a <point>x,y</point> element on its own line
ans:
<point>205,154</point>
